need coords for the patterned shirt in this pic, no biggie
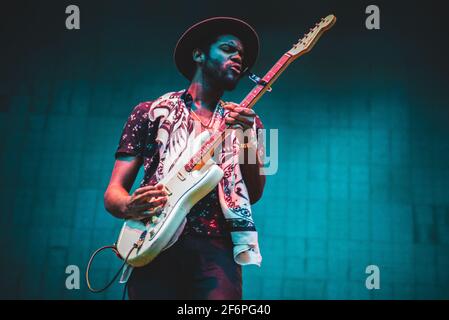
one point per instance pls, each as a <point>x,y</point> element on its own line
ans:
<point>138,139</point>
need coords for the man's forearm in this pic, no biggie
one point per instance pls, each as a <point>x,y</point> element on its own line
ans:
<point>115,199</point>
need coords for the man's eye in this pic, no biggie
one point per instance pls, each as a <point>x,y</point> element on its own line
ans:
<point>226,48</point>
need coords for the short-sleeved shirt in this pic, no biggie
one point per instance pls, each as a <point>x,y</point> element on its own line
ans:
<point>138,139</point>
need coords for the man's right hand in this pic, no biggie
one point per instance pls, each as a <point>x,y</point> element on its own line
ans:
<point>145,202</point>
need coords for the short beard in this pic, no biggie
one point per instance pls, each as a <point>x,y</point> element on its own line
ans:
<point>219,80</point>
<point>229,85</point>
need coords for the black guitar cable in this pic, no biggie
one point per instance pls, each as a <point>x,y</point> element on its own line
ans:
<point>136,245</point>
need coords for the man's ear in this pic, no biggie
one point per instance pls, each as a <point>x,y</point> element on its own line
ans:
<point>198,55</point>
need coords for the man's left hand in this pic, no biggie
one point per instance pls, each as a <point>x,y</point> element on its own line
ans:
<point>239,117</point>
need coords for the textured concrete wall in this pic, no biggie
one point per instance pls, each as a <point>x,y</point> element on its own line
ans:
<point>363,175</point>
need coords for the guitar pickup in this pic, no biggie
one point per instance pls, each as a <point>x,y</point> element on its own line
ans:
<point>169,193</point>
<point>180,176</point>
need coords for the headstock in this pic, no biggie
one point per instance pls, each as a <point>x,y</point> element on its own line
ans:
<point>306,43</point>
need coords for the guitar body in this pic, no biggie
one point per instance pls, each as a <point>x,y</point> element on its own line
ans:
<point>185,190</point>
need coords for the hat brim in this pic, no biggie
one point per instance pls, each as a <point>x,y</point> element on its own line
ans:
<point>214,27</point>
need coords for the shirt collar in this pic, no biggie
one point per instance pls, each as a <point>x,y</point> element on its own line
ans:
<point>188,101</point>
<point>187,98</point>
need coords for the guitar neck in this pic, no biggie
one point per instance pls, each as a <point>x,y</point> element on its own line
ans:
<point>248,102</point>
<point>257,92</point>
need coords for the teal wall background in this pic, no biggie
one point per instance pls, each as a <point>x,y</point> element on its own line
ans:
<point>363,119</point>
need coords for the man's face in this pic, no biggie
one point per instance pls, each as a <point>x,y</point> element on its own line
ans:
<point>223,62</point>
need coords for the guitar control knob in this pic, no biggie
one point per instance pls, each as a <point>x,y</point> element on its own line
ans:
<point>155,219</point>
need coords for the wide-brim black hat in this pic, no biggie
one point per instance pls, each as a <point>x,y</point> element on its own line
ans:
<point>214,27</point>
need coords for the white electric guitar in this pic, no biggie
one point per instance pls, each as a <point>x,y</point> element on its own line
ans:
<point>193,177</point>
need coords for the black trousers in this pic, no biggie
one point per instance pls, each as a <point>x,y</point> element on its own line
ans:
<point>195,267</point>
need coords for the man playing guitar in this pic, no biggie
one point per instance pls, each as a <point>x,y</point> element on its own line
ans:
<point>212,55</point>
